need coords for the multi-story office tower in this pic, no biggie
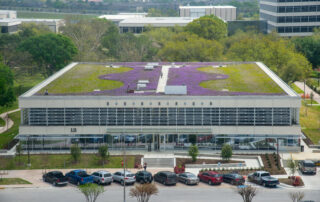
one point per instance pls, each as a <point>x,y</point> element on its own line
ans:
<point>291,17</point>
<point>224,12</point>
<point>162,106</point>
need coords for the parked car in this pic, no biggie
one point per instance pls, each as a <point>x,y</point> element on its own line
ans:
<point>210,177</point>
<point>233,178</point>
<point>307,166</point>
<point>55,177</point>
<point>188,178</point>
<point>124,177</point>
<point>79,177</point>
<point>263,178</point>
<point>166,178</point>
<point>317,163</point>
<point>144,177</point>
<point>102,177</point>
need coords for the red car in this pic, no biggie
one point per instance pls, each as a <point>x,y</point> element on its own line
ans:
<point>210,177</point>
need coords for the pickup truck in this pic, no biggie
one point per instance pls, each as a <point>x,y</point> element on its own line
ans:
<point>79,177</point>
<point>263,178</point>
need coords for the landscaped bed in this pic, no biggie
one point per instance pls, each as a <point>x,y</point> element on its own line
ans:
<point>12,181</point>
<point>56,161</point>
<point>272,164</point>
<point>290,182</point>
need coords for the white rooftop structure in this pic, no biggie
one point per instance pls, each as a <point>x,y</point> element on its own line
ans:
<point>9,22</point>
<point>156,22</point>
<point>8,14</point>
<point>225,12</point>
<point>122,16</point>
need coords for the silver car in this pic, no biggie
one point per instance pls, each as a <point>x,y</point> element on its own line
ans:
<point>102,177</point>
<point>188,178</point>
<point>124,178</point>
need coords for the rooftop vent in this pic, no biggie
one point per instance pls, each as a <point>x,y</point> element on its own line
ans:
<point>175,90</point>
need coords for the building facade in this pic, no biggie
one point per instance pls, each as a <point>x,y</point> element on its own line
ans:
<point>226,13</point>
<point>140,120</point>
<point>291,17</point>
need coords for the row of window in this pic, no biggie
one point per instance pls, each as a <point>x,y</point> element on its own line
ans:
<point>157,116</point>
<point>290,9</point>
<point>295,29</point>
<point>281,1</point>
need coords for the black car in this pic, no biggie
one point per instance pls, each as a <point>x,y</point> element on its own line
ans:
<point>144,177</point>
<point>233,178</point>
<point>166,178</point>
<point>56,178</point>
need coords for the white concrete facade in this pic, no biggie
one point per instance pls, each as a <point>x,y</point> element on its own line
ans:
<point>226,13</point>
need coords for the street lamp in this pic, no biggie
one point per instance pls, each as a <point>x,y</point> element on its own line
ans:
<point>28,142</point>
<point>124,169</point>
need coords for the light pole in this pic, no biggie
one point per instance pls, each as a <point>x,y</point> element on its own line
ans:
<point>124,169</point>
<point>28,142</point>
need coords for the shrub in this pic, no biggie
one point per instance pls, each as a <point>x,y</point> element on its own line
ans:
<point>91,191</point>
<point>226,152</point>
<point>104,153</point>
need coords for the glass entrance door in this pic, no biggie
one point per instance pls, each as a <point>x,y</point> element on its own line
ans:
<point>156,142</point>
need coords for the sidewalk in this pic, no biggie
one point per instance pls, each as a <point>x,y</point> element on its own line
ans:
<point>8,122</point>
<point>308,90</point>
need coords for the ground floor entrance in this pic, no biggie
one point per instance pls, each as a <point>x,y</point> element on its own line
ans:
<point>162,142</point>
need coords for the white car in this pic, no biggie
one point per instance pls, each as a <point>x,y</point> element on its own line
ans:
<point>124,177</point>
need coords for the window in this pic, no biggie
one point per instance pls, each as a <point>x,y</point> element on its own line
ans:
<point>107,103</point>
<point>159,103</point>
<point>141,103</point>
<point>124,103</point>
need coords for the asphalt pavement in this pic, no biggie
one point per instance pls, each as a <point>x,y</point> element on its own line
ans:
<point>179,193</point>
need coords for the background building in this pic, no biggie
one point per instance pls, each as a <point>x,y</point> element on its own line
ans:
<point>8,14</point>
<point>123,16</point>
<point>224,12</point>
<point>162,106</point>
<point>9,25</point>
<point>291,18</point>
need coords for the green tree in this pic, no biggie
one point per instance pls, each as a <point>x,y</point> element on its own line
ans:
<point>310,47</point>
<point>292,165</point>
<point>75,152</point>
<point>226,152</point>
<point>276,52</point>
<point>50,51</point>
<point>189,47</point>
<point>193,152</point>
<point>91,191</point>
<point>208,27</point>
<point>7,96</point>
<point>19,151</point>
<point>104,153</point>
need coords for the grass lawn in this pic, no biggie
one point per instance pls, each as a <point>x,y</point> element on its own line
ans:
<point>2,122</point>
<point>242,78</point>
<point>10,181</point>
<point>308,101</point>
<point>13,106</point>
<point>84,78</point>
<point>310,122</point>
<point>56,161</point>
<point>296,88</point>
<point>7,136</point>
<point>24,81</point>
<point>52,15</point>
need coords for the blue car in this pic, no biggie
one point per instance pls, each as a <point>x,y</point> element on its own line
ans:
<point>79,177</point>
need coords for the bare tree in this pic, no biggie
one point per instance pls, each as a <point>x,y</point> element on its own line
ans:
<point>91,191</point>
<point>247,193</point>
<point>143,192</point>
<point>296,196</point>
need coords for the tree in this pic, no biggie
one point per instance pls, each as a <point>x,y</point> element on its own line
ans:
<point>75,151</point>
<point>311,98</point>
<point>292,165</point>
<point>226,152</point>
<point>91,191</point>
<point>189,47</point>
<point>296,196</point>
<point>276,52</point>
<point>143,192</point>
<point>193,152</point>
<point>19,151</point>
<point>6,86</point>
<point>50,51</point>
<point>247,193</point>
<point>87,36</point>
<point>208,27</point>
<point>104,153</point>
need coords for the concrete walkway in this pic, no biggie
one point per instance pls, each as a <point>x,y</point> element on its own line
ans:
<point>8,122</point>
<point>300,85</point>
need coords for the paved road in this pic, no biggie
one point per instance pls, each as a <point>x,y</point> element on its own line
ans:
<point>168,194</point>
